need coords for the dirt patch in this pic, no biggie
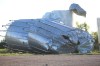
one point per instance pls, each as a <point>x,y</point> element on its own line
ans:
<point>51,60</point>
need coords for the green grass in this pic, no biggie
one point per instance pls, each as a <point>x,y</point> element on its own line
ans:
<point>5,52</point>
<point>96,52</point>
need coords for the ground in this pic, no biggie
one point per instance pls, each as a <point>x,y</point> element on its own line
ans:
<point>50,60</point>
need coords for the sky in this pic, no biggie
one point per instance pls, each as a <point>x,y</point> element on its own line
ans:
<point>32,9</point>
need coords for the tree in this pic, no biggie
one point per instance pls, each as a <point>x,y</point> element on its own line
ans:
<point>95,37</point>
<point>83,26</point>
<point>2,43</point>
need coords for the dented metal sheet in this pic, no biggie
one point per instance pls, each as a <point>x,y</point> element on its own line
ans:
<point>77,9</point>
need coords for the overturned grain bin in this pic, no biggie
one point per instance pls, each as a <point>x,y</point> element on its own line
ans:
<point>49,35</point>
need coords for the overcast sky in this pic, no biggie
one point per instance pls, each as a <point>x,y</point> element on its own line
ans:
<point>32,9</point>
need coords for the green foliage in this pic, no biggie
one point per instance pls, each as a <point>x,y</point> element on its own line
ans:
<point>95,37</point>
<point>2,44</point>
<point>82,26</point>
<point>95,52</point>
<point>5,52</point>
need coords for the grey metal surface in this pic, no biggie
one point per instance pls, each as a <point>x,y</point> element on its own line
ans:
<point>77,9</point>
<point>48,36</point>
<point>64,17</point>
<point>17,35</point>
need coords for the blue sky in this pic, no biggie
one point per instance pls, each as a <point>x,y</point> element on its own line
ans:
<point>32,9</point>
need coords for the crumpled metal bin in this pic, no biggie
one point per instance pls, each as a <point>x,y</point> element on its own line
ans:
<point>40,36</point>
<point>48,35</point>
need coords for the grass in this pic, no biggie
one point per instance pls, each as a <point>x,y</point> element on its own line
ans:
<point>96,52</point>
<point>5,52</point>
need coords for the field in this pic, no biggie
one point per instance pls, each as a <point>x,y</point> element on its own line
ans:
<point>26,59</point>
